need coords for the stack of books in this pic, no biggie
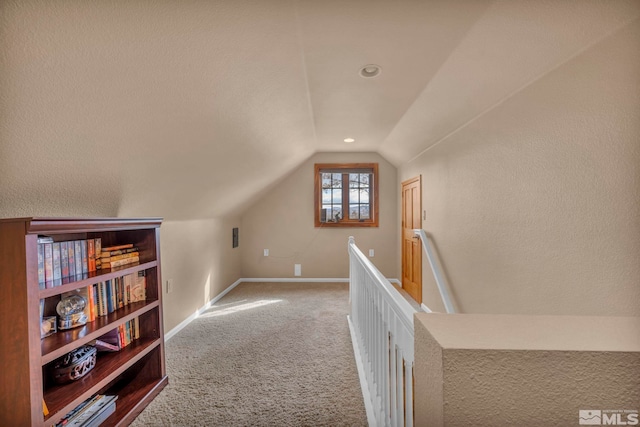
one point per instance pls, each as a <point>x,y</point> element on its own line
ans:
<point>64,262</point>
<point>90,413</point>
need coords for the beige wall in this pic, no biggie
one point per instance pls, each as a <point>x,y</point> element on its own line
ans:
<point>282,221</point>
<point>534,206</point>
<point>198,256</point>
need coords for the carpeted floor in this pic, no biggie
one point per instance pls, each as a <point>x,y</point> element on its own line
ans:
<point>267,354</point>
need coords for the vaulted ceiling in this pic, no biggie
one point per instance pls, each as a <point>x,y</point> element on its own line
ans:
<point>190,109</point>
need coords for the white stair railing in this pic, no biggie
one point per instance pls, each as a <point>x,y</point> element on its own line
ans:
<point>381,323</point>
<point>437,275</point>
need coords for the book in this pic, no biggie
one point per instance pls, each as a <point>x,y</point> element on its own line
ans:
<point>77,250</point>
<point>104,346</point>
<point>107,254</point>
<point>120,263</point>
<point>48,264</point>
<point>57,267</point>
<point>41,279</point>
<point>64,258</point>
<point>97,405</point>
<point>112,337</point>
<point>139,287</point>
<point>72,259</point>
<point>91,302</point>
<point>100,298</point>
<point>119,257</point>
<point>118,247</point>
<point>98,247</point>
<point>102,413</point>
<point>108,290</point>
<point>85,264</point>
<point>91,254</point>
<point>78,410</point>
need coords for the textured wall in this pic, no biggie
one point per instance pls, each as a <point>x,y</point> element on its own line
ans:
<point>282,221</point>
<point>199,258</point>
<point>520,371</point>
<point>534,206</point>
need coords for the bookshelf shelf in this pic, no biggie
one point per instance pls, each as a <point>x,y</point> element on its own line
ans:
<point>95,276</point>
<point>136,373</point>
<point>63,398</point>
<point>61,343</point>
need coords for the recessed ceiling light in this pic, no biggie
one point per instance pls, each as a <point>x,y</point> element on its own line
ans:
<point>370,70</point>
<point>349,140</point>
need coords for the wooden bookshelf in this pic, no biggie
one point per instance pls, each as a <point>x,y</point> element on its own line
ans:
<point>136,374</point>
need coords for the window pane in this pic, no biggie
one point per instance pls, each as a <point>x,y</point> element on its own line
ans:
<point>354,211</point>
<point>364,196</point>
<point>337,180</point>
<point>337,197</point>
<point>354,196</point>
<point>364,212</point>
<point>326,180</point>
<point>364,180</point>
<point>353,180</point>
<point>326,196</point>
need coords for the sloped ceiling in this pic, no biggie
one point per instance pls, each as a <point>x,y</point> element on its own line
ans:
<point>190,109</point>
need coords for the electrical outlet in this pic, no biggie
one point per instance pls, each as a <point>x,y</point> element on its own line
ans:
<point>266,252</point>
<point>169,286</point>
<point>297,270</point>
<point>424,214</point>
<point>371,253</point>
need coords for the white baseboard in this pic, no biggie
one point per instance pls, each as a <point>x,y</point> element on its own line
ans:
<point>201,310</point>
<point>368,402</point>
<point>195,315</point>
<point>425,308</point>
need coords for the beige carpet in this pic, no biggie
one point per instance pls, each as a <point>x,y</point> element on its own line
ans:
<point>267,354</point>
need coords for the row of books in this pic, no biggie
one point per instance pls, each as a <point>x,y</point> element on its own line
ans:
<point>106,297</point>
<point>90,413</point>
<point>64,262</point>
<point>119,338</point>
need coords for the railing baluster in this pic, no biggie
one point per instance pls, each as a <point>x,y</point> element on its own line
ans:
<point>382,322</point>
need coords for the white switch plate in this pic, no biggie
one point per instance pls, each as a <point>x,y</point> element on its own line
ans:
<point>371,253</point>
<point>169,286</point>
<point>266,252</point>
<point>297,269</point>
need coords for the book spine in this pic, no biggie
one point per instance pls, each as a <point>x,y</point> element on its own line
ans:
<point>57,267</point>
<point>77,256</point>
<point>108,254</point>
<point>98,247</point>
<point>120,262</point>
<point>118,247</point>
<point>91,304</point>
<point>107,285</point>
<point>136,323</point>
<point>119,257</point>
<point>91,254</point>
<point>85,264</point>
<point>72,259</point>
<point>41,279</point>
<point>64,258</point>
<point>48,265</point>
<point>100,291</point>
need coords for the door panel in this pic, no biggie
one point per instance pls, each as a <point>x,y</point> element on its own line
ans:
<point>411,249</point>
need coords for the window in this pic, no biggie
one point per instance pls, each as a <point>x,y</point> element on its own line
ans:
<point>346,195</point>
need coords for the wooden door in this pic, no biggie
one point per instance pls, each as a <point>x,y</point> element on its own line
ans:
<point>411,245</point>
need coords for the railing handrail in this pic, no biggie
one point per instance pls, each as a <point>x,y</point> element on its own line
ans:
<point>442,286</point>
<point>403,308</point>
